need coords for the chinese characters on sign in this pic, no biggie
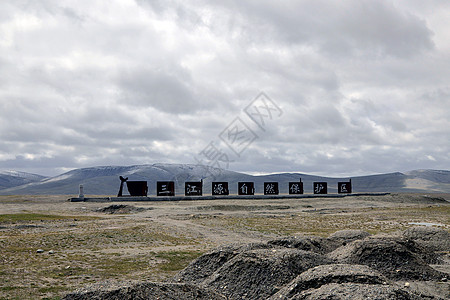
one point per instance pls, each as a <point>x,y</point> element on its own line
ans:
<point>295,188</point>
<point>193,188</point>
<point>165,188</point>
<point>220,188</point>
<point>320,188</point>
<point>345,187</point>
<point>271,188</point>
<point>246,188</point>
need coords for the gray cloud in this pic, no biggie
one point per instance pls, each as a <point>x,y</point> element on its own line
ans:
<point>363,85</point>
<point>159,90</point>
<point>360,28</point>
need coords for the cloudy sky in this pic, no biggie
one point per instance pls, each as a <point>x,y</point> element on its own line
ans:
<point>323,87</point>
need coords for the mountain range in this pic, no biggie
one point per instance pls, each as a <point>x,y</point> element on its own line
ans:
<point>104,180</point>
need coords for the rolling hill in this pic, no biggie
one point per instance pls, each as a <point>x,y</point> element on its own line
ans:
<point>104,180</point>
<point>9,179</point>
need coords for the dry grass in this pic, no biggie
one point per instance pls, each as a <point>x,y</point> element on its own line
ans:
<point>90,247</point>
<point>86,250</point>
<point>324,223</point>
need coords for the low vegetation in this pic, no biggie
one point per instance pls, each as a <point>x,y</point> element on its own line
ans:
<point>325,222</point>
<point>46,253</point>
<point>78,250</point>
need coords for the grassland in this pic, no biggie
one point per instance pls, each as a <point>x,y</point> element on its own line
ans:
<point>79,250</point>
<point>324,223</point>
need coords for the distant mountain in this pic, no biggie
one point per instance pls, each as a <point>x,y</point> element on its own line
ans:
<point>10,179</point>
<point>105,180</point>
<point>429,180</point>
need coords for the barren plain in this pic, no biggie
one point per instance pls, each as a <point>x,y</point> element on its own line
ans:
<point>50,247</point>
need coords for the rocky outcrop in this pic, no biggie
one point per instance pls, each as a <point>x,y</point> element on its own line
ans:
<point>148,290</point>
<point>349,264</point>
<point>395,258</point>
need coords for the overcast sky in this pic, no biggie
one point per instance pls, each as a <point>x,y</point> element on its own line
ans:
<point>333,88</point>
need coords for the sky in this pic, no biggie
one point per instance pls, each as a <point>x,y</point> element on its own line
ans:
<point>335,88</point>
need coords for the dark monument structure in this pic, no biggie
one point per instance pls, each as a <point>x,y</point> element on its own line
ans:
<point>220,188</point>
<point>137,188</point>
<point>122,181</point>
<point>193,188</point>
<point>165,188</point>
<point>296,188</point>
<point>320,188</point>
<point>345,187</point>
<point>246,188</point>
<point>271,188</point>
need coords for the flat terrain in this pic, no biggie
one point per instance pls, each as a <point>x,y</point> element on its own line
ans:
<point>86,243</point>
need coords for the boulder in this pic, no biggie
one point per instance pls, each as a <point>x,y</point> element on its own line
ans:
<point>306,243</point>
<point>357,291</point>
<point>435,239</point>
<point>257,274</point>
<point>394,258</point>
<point>205,265</point>
<point>318,276</point>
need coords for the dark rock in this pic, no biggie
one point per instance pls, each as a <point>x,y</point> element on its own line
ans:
<point>435,239</point>
<point>120,209</point>
<point>257,274</point>
<point>318,276</point>
<point>307,243</point>
<point>207,264</point>
<point>344,237</point>
<point>438,290</point>
<point>357,291</point>
<point>349,264</point>
<point>394,258</point>
<point>147,290</point>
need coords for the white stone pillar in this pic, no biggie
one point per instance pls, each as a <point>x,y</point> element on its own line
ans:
<point>81,194</point>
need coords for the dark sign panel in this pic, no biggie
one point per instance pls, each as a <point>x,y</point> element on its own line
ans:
<point>220,188</point>
<point>271,188</point>
<point>295,188</point>
<point>320,188</point>
<point>165,188</point>
<point>193,188</point>
<point>345,187</point>
<point>246,188</point>
<point>137,188</point>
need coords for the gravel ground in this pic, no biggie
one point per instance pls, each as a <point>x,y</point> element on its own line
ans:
<point>128,247</point>
<point>148,290</point>
<point>363,267</point>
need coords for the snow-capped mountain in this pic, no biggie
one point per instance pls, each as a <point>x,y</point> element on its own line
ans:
<point>104,180</point>
<point>15,178</point>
